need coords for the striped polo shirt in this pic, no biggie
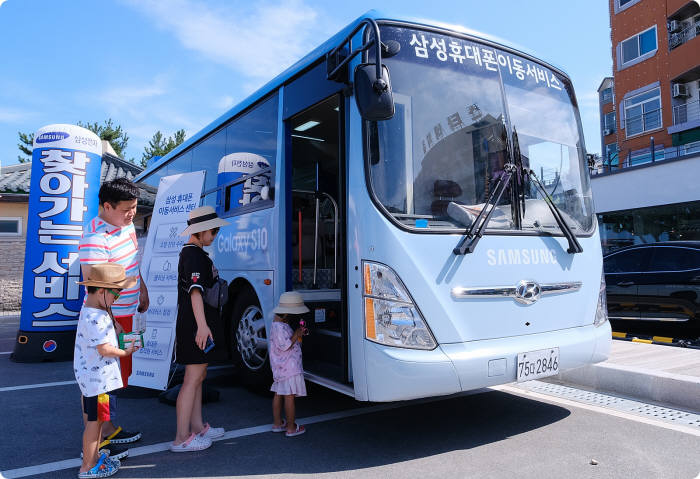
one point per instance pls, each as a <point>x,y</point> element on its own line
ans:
<point>102,243</point>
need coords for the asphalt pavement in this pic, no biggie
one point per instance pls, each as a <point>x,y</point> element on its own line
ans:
<point>509,432</point>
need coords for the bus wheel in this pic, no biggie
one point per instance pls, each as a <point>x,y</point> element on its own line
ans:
<point>250,338</point>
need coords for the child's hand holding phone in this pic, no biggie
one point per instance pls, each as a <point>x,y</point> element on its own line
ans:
<point>209,346</point>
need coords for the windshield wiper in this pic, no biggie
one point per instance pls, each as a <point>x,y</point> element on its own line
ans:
<point>574,245</point>
<point>475,231</point>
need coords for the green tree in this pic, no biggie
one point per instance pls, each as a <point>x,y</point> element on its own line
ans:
<point>26,146</point>
<point>111,132</point>
<point>161,146</point>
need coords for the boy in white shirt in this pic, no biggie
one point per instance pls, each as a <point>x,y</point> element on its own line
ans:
<point>95,362</point>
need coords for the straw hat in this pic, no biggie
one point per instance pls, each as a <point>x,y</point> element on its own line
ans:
<point>202,219</point>
<point>291,302</point>
<point>109,275</point>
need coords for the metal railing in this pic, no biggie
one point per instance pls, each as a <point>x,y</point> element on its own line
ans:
<point>679,38</point>
<point>686,112</point>
<point>618,161</point>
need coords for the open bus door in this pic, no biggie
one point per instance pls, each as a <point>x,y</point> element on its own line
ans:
<point>316,255</point>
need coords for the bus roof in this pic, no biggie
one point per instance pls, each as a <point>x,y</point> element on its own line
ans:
<point>313,56</point>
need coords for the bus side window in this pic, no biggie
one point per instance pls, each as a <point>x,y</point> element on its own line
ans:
<point>250,153</point>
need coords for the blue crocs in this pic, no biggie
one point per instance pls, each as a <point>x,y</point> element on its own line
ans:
<point>105,467</point>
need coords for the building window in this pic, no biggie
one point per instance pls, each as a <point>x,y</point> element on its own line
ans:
<point>606,96</point>
<point>638,46</point>
<point>610,154</point>
<point>610,122</point>
<point>10,226</point>
<point>643,112</point>
<point>621,5</point>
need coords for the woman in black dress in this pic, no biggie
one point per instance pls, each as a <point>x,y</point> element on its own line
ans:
<point>196,273</point>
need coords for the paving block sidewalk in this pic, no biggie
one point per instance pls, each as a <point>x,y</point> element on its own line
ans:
<point>664,374</point>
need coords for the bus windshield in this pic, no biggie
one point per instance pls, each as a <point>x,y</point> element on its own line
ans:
<point>458,103</point>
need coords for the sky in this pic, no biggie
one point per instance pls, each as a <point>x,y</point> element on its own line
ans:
<point>170,64</point>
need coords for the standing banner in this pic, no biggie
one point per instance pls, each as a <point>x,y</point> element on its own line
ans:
<point>66,164</point>
<point>177,196</point>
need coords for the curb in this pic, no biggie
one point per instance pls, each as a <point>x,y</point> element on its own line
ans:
<point>663,340</point>
<point>667,388</point>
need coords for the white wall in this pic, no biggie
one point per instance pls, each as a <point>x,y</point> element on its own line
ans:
<point>661,184</point>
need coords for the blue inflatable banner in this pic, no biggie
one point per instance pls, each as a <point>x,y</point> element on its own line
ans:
<point>65,182</point>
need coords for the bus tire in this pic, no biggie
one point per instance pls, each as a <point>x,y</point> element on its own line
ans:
<point>249,338</point>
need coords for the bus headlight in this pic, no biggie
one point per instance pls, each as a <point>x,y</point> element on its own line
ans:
<point>391,316</point>
<point>601,314</point>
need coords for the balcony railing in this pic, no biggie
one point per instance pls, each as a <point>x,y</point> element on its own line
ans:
<point>679,38</point>
<point>686,112</point>
<point>618,161</point>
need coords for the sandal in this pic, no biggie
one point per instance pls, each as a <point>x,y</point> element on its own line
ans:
<point>299,430</point>
<point>193,443</point>
<point>103,468</point>
<point>281,428</point>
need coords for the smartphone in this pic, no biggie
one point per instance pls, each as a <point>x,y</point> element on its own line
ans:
<point>209,346</point>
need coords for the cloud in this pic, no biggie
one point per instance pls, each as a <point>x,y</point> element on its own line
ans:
<point>253,41</point>
<point>11,115</point>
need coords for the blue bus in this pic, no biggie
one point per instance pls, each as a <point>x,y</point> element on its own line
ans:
<point>425,189</point>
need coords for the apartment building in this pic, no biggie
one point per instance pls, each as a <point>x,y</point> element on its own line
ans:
<point>646,186</point>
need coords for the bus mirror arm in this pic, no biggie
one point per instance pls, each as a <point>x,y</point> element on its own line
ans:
<point>371,82</point>
<point>475,231</point>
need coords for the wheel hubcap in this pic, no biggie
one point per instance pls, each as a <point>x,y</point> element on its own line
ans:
<point>251,339</point>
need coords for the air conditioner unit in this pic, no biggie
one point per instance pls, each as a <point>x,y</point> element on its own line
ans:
<point>607,131</point>
<point>680,90</point>
<point>674,26</point>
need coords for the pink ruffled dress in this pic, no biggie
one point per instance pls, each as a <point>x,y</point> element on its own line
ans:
<point>287,369</point>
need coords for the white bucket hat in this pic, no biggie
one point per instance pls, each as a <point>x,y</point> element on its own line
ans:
<point>291,302</point>
<point>202,219</point>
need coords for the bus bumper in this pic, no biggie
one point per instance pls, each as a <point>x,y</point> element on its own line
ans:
<point>398,374</point>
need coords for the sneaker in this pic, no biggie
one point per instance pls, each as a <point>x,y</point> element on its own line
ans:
<point>115,451</point>
<point>105,467</point>
<point>194,443</point>
<point>211,432</point>
<point>120,436</point>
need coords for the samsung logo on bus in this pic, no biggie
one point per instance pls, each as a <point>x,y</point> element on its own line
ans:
<point>50,136</point>
<point>520,256</point>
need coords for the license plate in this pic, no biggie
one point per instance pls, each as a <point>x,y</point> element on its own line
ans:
<point>537,364</point>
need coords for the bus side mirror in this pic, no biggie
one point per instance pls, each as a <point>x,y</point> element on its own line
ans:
<point>373,95</point>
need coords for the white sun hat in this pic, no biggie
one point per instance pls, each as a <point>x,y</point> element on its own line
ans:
<point>291,302</point>
<point>202,219</point>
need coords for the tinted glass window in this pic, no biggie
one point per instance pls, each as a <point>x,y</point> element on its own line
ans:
<point>206,156</point>
<point>674,259</point>
<point>631,261</point>
<point>247,168</point>
<point>181,164</point>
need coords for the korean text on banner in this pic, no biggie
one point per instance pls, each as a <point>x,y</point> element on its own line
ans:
<point>177,196</point>
<point>65,181</point>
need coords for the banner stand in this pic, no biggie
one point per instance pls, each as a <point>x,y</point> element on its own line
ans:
<point>63,196</point>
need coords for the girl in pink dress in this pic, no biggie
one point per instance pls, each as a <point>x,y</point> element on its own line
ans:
<point>285,360</point>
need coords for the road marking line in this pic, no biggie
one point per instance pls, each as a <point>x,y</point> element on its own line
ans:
<point>34,386</point>
<point>600,409</point>
<point>248,431</point>
<point>63,383</point>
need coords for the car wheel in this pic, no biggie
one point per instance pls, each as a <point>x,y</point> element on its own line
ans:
<point>250,337</point>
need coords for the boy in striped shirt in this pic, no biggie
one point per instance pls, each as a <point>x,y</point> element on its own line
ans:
<point>111,238</point>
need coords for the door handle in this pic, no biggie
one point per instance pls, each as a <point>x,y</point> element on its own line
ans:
<point>625,283</point>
